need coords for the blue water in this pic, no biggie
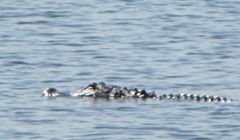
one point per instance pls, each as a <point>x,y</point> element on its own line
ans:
<point>167,46</point>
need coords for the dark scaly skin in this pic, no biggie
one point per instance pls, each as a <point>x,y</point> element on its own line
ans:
<point>101,90</point>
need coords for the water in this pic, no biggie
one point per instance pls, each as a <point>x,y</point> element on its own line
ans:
<point>166,46</point>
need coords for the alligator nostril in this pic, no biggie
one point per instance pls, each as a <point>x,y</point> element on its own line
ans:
<point>50,92</point>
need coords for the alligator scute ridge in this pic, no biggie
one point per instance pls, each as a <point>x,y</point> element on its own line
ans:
<point>101,90</point>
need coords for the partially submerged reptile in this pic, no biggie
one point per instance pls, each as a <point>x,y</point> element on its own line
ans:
<point>101,90</point>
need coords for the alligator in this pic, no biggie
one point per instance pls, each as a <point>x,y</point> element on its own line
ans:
<point>102,90</point>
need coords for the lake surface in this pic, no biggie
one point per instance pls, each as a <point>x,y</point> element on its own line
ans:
<point>166,46</point>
